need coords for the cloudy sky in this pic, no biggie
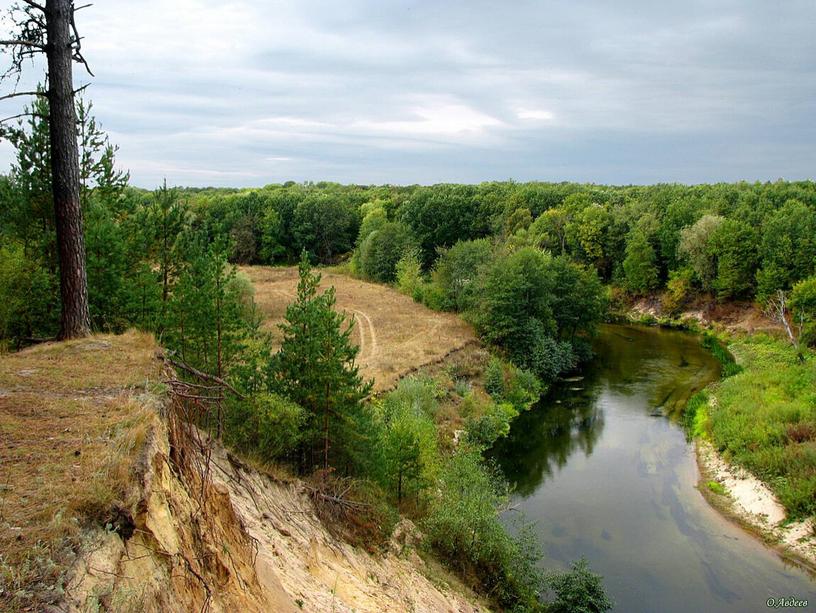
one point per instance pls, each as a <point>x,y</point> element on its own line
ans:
<point>247,93</point>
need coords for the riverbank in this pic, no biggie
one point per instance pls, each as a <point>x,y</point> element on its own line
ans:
<point>755,432</point>
<point>746,500</point>
<point>754,438</point>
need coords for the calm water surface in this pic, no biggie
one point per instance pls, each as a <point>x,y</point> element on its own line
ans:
<point>603,469</point>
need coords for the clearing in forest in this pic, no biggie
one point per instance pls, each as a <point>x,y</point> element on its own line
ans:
<point>396,335</point>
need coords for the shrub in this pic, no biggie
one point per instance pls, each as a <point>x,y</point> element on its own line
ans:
<point>577,591</point>
<point>266,426</point>
<point>494,377</point>
<point>494,423</point>
<point>409,273</point>
<point>29,297</point>
<point>678,290</point>
<point>419,391</point>
<point>463,527</point>
<point>504,381</point>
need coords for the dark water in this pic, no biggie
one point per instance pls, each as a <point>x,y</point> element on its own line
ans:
<point>603,477</point>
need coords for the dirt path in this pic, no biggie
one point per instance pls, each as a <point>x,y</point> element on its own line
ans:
<point>395,334</point>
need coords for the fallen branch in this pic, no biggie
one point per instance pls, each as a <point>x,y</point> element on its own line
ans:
<point>201,375</point>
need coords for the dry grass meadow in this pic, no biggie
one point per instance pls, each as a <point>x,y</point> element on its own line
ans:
<point>73,416</point>
<point>395,334</point>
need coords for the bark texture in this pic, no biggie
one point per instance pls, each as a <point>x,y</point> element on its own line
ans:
<point>75,320</point>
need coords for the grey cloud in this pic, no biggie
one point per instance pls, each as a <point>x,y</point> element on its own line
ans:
<point>248,93</point>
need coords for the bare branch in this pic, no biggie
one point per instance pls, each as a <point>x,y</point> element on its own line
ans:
<point>84,6</point>
<point>202,375</point>
<point>23,43</point>
<point>79,89</point>
<point>78,41</point>
<point>34,5</point>
<point>16,94</point>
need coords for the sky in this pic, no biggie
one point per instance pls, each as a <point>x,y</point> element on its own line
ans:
<point>247,93</point>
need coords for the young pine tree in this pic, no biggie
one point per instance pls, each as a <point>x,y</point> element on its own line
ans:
<point>315,366</point>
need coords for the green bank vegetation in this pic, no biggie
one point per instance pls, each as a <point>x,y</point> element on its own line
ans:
<point>763,417</point>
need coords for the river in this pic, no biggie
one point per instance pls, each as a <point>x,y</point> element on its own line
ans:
<point>602,468</point>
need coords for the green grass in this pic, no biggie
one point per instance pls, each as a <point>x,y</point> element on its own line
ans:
<point>764,418</point>
<point>717,488</point>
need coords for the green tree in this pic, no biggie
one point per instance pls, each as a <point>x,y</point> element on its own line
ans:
<point>383,248</point>
<point>463,526</point>
<point>442,215</point>
<point>589,230</point>
<point>788,248</point>
<point>210,311</point>
<point>803,305</point>
<point>734,246</point>
<point>550,230</point>
<point>315,366</point>
<point>458,269</point>
<point>695,249</point>
<point>640,263</point>
<point>325,226</point>
<point>409,274</point>
<point>165,221</point>
<point>408,445</point>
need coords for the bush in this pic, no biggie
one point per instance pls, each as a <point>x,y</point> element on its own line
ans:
<point>678,290</point>
<point>494,377</point>
<point>382,249</point>
<point>463,527</point>
<point>419,391</point>
<point>577,591</point>
<point>494,423</point>
<point>266,426</point>
<point>29,297</point>
<point>505,382</point>
<point>548,357</point>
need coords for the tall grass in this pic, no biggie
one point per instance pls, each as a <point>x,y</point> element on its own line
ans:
<point>727,362</point>
<point>765,419</point>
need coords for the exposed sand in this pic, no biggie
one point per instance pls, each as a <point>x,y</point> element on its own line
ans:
<point>753,503</point>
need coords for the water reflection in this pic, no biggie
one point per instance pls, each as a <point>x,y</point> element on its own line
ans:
<point>603,470</point>
<point>542,439</point>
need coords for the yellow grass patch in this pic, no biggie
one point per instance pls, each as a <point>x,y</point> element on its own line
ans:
<point>395,334</point>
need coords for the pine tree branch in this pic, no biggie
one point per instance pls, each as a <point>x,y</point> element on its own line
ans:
<point>40,115</point>
<point>15,94</point>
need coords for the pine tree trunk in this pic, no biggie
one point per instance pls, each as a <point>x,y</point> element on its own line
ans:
<point>75,321</point>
